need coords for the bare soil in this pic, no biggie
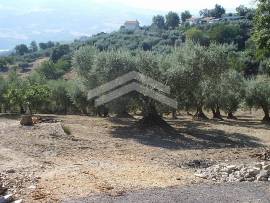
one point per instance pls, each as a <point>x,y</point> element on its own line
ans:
<point>111,156</point>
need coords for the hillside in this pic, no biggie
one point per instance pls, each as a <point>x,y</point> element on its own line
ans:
<point>147,38</point>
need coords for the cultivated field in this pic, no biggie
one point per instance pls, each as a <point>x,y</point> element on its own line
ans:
<point>111,156</point>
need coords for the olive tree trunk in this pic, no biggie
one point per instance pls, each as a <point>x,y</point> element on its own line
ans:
<point>199,113</point>
<point>151,118</point>
<point>266,113</point>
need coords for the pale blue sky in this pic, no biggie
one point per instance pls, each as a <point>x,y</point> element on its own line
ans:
<point>24,20</point>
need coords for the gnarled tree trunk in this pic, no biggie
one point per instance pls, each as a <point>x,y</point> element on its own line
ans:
<point>231,116</point>
<point>266,113</point>
<point>216,113</point>
<point>199,113</point>
<point>174,114</point>
<point>151,117</point>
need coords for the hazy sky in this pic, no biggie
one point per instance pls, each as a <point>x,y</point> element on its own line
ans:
<point>24,20</point>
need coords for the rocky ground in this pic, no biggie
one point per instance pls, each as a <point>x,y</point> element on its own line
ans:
<point>236,173</point>
<point>109,156</point>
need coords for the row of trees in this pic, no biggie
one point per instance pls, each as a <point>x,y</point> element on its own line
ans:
<point>204,74</point>
<point>22,49</point>
<point>172,19</point>
<point>200,77</point>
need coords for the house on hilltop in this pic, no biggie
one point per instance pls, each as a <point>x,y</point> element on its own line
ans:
<point>211,20</point>
<point>193,21</point>
<point>132,25</point>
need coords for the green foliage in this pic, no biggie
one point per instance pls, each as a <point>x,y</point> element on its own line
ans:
<point>197,35</point>
<point>205,13</point>
<point>249,13</point>
<point>112,64</point>
<point>217,12</point>
<point>83,62</point>
<point>22,93</point>
<point>36,95</point>
<point>265,67</point>
<point>15,90</point>
<point>261,30</point>
<point>258,94</point>
<point>21,49</point>
<point>3,64</point>
<point>78,96</point>
<point>224,33</point>
<point>195,73</point>
<point>59,52</point>
<point>33,46</point>
<point>59,101</point>
<point>158,22</point>
<point>186,74</point>
<point>196,61</point>
<point>3,88</point>
<point>232,86</point>
<point>185,15</point>
<point>172,20</point>
<point>47,45</point>
<point>53,71</point>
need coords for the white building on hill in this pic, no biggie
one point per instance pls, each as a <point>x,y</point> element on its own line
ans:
<point>132,25</point>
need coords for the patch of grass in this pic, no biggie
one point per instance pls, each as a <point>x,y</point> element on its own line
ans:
<point>66,130</point>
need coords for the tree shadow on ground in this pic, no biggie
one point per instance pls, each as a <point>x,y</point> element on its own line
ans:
<point>246,122</point>
<point>191,135</point>
<point>15,116</point>
<point>10,116</point>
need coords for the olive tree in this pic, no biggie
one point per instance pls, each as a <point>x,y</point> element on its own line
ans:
<point>186,75</point>
<point>110,65</point>
<point>78,95</point>
<point>258,95</point>
<point>216,63</point>
<point>261,31</point>
<point>59,99</point>
<point>84,61</point>
<point>35,96</point>
<point>14,95</point>
<point>232,86</point>
<point>3,86</point>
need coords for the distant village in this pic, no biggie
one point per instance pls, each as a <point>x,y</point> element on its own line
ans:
<point>211,20</point>
<point>135,24</point>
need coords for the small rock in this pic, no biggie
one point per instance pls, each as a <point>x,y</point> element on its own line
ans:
<point>263,175</point>
<point>200,175</point>
<point>11,171</point>
<point>266,167</point>
<point>251,179</point>
<point>253,172</point>
<point>18,201</point>
<point>32,187</point>
<point>259,166</point>
<point>231,168</point>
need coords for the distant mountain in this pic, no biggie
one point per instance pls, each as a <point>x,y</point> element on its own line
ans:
<point>22,21</point>
<point>63,24</point>
<point>4,52</point>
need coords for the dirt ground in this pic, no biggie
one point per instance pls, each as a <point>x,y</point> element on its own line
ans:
<point>110,156</point>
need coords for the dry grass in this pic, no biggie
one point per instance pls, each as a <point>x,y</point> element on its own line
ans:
<point>108,155</point>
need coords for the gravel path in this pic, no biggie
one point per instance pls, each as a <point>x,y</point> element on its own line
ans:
<point>229,192</point>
